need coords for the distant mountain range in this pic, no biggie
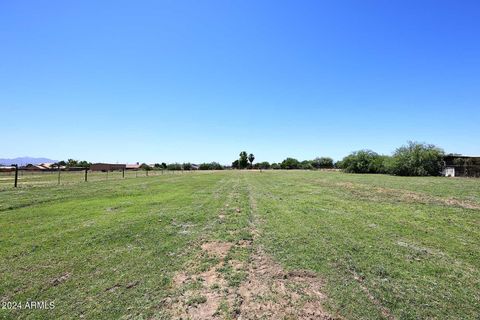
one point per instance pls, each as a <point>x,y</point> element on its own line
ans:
<point>21,161</point>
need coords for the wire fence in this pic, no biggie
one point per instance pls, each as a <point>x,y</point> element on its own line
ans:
<point>28,178</point>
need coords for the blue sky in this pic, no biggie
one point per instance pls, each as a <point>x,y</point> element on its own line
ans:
<point>154,81</point>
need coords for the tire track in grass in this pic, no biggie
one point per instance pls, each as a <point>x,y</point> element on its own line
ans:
<point>383,310</point>
<point>240,281</point>
<point>270,291</point>
<point>205,288</point>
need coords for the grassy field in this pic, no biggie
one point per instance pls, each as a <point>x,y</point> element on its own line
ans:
<point>244,245</point>
<point>50,178</point>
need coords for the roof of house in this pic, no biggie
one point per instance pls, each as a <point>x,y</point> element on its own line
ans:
<point>133,166</point>
<point>47,165</point>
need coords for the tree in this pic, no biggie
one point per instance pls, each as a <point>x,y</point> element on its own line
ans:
<point>275,166</point>
<point>187,166</point>
<point>306,165</point>
<point>290,163</point>
<point>174,166</point>
<point>210,166</point>
<point>157,166</point>
<point>83,164</point>
<point>251,157</point>
<point>164,165</point>
<point>322,163</point>
<point>261,165</point>
<point>243,161</point>
<point>235,164</point>
<point>416,159</point>
<point>363,161</point>
<point>145,167</point>
<point>71,163</point>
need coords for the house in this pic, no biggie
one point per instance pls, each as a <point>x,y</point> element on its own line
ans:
<point>461,166</point>
<point>107,167</point>
<point>33,168</point>
<point>133,166</point>
<point>49,166</point>
<point>6,168</point>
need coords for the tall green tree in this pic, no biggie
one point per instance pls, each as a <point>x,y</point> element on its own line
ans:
<point>251,157</point>
<point>243,161</point>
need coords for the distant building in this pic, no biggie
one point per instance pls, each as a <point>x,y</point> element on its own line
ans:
<point>33,167</point>
<point>107,167</point>
<point>49,166</point>
<point>6,168</point>
<point>134,166</point>
<point>461,166</point>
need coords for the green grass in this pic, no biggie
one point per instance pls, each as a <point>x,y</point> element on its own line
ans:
<point>50,178</point>
<point>110,248</point>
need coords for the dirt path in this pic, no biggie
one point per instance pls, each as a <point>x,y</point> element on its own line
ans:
<point>240,281</point>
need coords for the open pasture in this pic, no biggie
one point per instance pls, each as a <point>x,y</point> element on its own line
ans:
<point>243,244</point>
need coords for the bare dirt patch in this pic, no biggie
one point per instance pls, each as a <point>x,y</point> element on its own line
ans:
<point>272,293</point>
<point>217,249</point>
<point>265,290</point>
<point>269,292</point>
<point>206,292</point>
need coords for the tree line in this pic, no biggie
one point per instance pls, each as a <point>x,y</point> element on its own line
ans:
<point>246,162</point>
<point>412,159</point>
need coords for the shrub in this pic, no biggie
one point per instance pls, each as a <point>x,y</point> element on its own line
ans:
<point>210,166</point>
<point>306,165</point>
<point>235,164</point>
<point>363,161</point>
<point>187,166</point>
<point>290,163</point>
<point>416,159</point>
<point>261,165</point>
<point>145,166</point>
<point>174,166</point>
<point>322,163</point>
<point>275,166</point>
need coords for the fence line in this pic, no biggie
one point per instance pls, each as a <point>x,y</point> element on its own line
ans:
<point>17,177</point>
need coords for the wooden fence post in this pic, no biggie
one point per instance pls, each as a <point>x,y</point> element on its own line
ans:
<point>86,170</point>
<point>16,175</point>
<point>58,173</point>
